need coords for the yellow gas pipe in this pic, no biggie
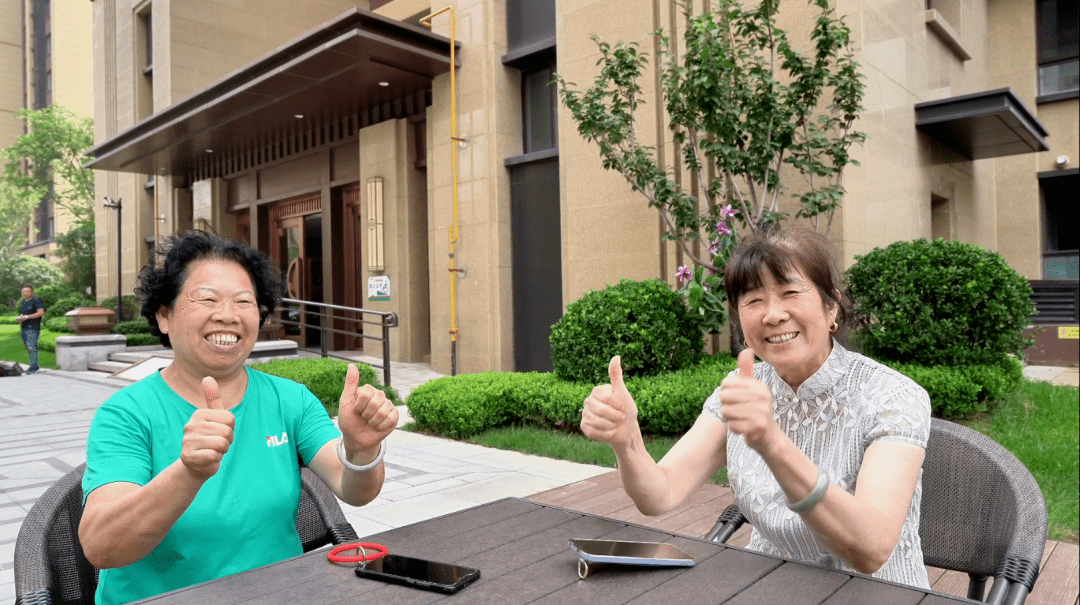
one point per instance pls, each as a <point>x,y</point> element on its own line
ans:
<point>454,140</point>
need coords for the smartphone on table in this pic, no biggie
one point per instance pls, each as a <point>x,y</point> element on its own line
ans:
<point>625,552</point>
<point>419,573</point>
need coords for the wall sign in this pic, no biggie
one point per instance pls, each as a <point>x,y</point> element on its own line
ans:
<point>1069,332</point>
<point>378,287</point>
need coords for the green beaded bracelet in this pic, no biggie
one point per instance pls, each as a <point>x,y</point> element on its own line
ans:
<point>815,495</point>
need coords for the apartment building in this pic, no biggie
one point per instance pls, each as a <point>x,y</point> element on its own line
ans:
<point>320,132</point>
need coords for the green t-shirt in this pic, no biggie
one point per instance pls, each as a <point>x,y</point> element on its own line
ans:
<point>244,516</point>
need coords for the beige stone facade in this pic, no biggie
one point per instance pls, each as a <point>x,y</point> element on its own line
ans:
<point>309,182</point>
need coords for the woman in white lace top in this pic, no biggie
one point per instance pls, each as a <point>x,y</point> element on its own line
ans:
<point>824,447</point>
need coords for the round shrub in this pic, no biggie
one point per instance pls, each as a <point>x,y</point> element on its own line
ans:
<point>645,322</point>
<point>132,308</point>
<point>56,324</point>
<point>50,294</point>
<point>64,305</point>
<point>939,303</point>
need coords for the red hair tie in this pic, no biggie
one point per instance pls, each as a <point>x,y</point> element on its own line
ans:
<point>363,557</point>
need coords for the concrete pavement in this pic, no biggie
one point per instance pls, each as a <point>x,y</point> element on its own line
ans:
<point>44,420</point>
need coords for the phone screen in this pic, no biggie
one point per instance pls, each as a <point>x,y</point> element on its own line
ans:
<point>429,575</point>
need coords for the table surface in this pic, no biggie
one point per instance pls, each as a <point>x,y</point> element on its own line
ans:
<point>520,548</point>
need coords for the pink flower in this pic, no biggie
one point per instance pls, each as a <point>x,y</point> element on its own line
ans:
<point>723,229</point>
<point>714,248</point>
<point>683,273</point>
<point>727,211</point>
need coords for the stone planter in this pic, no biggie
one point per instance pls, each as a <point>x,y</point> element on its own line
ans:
<point>86,321</point>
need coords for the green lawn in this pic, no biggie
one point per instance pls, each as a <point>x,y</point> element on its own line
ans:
<point>1039,425</point>
<point>12,349</point>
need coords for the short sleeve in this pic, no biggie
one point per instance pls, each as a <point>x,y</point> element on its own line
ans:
<point>315,428</point>
<point>38,304</point>
<point>712,403</point>
<point>117,447</point>
<point>902,416</point>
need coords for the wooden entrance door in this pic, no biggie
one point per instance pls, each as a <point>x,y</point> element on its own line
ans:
<point>298,250</point>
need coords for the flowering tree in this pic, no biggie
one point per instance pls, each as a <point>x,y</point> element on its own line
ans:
<point>741,104</point>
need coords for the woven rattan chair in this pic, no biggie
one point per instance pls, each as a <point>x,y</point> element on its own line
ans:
<point>50,567</point>
<point>982,513</point>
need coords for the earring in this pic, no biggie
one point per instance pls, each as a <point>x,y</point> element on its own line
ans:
<point>835,326</point>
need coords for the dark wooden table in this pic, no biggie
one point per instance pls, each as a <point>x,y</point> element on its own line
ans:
<point>520,548</point>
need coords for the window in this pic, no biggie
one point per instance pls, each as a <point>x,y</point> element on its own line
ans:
<point>538,106</point>
<point>42,60</point>
<point>144,61</point>
<point>1061,244</point>
<point>1058,47</point>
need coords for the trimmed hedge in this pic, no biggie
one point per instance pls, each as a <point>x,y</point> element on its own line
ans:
<point>459,406</point>
<point>139,325</point>
<point>668,404</point>
<point>325,377</point>
<point>959,391</point>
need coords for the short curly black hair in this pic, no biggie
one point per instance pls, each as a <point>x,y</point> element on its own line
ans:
<point>162,279</point>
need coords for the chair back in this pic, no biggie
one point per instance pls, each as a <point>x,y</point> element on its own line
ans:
<point>320,520</point>
<point>982,511</point>
<point>49,563</point>
<point>50,566</point>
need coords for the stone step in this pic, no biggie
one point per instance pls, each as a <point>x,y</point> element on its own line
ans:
<point>108,367</point>
<point>130,357</point>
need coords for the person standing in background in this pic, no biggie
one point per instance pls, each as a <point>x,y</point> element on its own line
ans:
<point>30,311</point>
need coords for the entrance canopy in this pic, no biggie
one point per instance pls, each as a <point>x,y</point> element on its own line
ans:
<point>354,64</point>
<point>987,124</point>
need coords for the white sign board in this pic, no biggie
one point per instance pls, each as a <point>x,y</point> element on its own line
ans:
<point>378,287</point>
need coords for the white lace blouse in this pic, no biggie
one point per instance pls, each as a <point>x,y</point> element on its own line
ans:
<point>849,403</point>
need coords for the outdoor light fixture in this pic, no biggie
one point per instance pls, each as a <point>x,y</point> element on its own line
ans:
<point>384,83</point>
<point>299,116</point>
<point>375,261</point>
<point>1061,161</point>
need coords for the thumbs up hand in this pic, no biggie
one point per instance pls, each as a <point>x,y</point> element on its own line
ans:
<point>610,413</point>
<point>365,415</point>
<point>208,434</point>
<point>746,404</point>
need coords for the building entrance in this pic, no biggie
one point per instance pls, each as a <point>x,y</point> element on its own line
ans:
<point>297,250</point>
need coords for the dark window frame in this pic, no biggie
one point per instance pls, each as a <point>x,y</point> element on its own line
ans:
<point>1062,52</point>
<point>529,143</point>
<point>1051,247</point>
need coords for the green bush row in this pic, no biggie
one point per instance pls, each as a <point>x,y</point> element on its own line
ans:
<point>668,404</point>
<point>959,391</point>
<point>325,377</point>
<point>464,405</point>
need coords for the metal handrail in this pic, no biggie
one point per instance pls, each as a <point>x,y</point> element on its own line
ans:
<point>386,319</point>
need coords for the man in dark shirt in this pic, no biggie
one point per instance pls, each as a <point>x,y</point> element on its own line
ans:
<point>31,309</point>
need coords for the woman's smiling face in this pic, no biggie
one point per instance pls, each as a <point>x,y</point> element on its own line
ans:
<point>787,324</point>
<point>214,322</point>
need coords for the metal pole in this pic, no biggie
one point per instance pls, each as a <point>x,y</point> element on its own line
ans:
<point>119,267</point>
<point>386,350</point>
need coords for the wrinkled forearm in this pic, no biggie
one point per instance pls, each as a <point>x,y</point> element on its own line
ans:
<point>121,526</point>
